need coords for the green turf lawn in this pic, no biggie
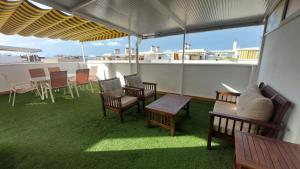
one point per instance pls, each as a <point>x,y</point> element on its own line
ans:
<point>73,134</point>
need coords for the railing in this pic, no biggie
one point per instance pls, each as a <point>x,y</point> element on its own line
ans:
<point>200,79</point>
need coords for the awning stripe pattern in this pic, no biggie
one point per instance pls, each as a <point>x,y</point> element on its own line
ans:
<point>23,18</point>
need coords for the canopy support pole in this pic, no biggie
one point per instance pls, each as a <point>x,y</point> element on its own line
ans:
<point>137,55</point>
<point>255,73</point>
<point>83,52</point>
<point>182,64</point>
<point>129,53</point>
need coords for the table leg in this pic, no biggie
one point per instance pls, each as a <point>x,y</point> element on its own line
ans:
<point>188,109</point>
<point>172,130</point>
<point>149,119</point>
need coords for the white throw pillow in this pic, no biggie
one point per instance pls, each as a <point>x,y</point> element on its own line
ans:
<point>259,108</point>
<point>248,95</point>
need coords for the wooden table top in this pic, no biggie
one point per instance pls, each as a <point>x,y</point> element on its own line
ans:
<point>169,103</point>
<point>253,151</point>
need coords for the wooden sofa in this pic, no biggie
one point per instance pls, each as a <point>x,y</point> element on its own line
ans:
<point>223,124</point>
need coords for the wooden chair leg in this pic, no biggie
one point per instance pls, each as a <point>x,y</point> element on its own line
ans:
<point>104,111</point>
<point>209,141</point>
<point>138,106</point>
<point>121,117</point>
<point>210,131</point>
<point>143,104</point>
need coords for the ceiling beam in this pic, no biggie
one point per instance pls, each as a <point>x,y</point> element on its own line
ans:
<point>81,5</point>
<point>196,29</point>
<point>165,10</point>
<point>57,6</point>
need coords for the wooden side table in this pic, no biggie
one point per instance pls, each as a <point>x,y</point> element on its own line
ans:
<point>258,152</point>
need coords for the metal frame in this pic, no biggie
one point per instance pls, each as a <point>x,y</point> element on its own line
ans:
<point>91,18</point>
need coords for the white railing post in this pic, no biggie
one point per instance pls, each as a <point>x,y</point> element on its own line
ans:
<point>182,64</point>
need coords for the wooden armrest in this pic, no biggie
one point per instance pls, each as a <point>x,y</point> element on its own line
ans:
<point>246,120</point>
<point>228,93</point>
<point>139,88</point>
<point>132,91</point>
<point>132,88</point>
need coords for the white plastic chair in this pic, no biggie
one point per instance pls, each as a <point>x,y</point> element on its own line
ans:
<point>19,88</point>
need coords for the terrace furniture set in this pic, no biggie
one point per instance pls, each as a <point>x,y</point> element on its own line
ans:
<point>253,120</point>
<point>161,112</point>
<point>41,84</point>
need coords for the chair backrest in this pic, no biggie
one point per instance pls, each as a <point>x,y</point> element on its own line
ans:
<point>112,86</point>
<point>59,79</point>
<point>7,80</point>
<point>134,80</point>
<point>53,69</point>
<point>280,103</point>
<point>82,76</point>
<point>39,72</point>
<point>93,71</point>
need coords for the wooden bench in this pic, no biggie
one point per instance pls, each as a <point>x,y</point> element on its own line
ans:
<point>270,128</point>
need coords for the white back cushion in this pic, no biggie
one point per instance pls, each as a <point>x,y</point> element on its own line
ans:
<point>253,105</point>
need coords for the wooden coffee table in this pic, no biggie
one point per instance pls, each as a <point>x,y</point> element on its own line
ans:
<point>253,151</point>
<point>162,112</point>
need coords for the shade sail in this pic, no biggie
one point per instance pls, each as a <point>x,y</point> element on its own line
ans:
<point>154,18</point>
<point>26,19</point>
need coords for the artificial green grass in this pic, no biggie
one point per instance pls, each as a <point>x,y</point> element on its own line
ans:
<point>73,134</point>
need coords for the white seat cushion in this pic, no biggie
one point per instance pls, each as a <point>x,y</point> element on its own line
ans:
<point>229,108</point>
<point>127,100</point>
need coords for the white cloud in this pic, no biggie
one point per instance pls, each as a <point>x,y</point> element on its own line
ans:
<point>98,44</point>
<point>113,43</point>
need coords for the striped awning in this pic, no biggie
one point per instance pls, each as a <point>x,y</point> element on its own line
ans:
<point>24,18</point>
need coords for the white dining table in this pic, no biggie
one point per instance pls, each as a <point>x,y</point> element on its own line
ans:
<point>41,81</point>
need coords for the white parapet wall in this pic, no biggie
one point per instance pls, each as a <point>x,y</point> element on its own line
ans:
<point>201,79</point>
<point>18,73</point>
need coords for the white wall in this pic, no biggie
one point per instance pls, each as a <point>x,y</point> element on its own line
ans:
<point>18,73</point>
<point>199,79</point>
<point>280,68</point>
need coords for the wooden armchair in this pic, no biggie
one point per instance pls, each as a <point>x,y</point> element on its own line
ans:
<point>223,122</point>
<point>146,89</point>
<point>117,98</point>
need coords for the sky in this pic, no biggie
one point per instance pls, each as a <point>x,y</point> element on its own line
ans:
<point>212,40</point>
